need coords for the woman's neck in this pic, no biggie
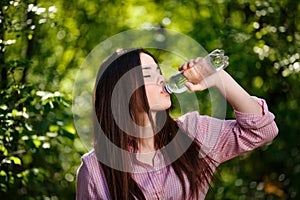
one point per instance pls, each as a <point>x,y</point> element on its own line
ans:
<point>146,145</point>
<point>146,150</point>
<point>146,140</point>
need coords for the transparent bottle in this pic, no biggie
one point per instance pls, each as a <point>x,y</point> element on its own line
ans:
<point>218,61</point>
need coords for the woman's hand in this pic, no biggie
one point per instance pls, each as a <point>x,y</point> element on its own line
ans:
<point>199,73</point>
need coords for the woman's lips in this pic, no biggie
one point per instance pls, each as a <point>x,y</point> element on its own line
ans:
<point>164,92</point>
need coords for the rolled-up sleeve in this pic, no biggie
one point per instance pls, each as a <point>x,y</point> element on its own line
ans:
<point>225,139</point>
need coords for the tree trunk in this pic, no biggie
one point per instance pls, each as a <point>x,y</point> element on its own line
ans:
<point>3,68</point>
<point>30,43</point>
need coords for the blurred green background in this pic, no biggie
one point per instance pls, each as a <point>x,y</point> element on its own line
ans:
<point>44,42</point>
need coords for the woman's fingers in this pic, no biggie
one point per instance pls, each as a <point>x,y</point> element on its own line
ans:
<point>192,75</point>
<point>195,87</point>
<point>208,82</point>
<point>191,63</point>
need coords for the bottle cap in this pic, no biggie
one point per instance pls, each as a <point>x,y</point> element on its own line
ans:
<point>167,89</point>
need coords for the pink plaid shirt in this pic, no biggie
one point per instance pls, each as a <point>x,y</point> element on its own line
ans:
<point>235,137</point>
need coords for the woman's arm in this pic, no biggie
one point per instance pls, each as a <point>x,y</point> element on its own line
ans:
<point>239,99</point>
<point>225,139</point>
<point>254,124</point>
<point>202,76</point>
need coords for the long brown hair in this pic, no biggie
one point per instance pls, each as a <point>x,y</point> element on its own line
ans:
<point>120,183</point>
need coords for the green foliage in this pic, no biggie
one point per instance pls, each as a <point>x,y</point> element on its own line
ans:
<point>35,144</point>
<point>36,131</point>
<point>43,44</point>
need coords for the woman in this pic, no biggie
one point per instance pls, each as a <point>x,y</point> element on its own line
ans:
<point>158,157</point>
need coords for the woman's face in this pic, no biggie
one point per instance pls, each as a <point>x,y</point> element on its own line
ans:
<point>154,84</point>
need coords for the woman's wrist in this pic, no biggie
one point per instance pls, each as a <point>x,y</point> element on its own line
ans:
<point>220,79</point>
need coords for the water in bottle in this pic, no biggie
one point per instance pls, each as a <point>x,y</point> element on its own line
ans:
<point>176,82</point>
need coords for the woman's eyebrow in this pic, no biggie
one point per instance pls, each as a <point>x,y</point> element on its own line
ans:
<point>147,67</point>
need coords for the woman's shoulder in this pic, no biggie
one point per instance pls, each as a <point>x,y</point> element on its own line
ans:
<point>90,158</point>
<point>192,118</point>
<point>89,155</point>
<point>91,182</point>
<point>190,123</point>
<point>188,116</point>
<point>90,165</point>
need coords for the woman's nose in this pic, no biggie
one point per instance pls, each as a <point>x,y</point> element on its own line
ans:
<point>161,80</point>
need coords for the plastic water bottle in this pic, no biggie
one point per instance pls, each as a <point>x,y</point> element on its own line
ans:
<point>218,61</point>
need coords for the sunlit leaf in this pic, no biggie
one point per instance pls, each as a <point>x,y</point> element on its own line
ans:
<point>16,160</point>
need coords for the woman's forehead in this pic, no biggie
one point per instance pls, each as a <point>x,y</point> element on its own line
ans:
<point>147,60</point>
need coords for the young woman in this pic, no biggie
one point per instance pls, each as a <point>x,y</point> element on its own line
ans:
<point>140,152</point>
